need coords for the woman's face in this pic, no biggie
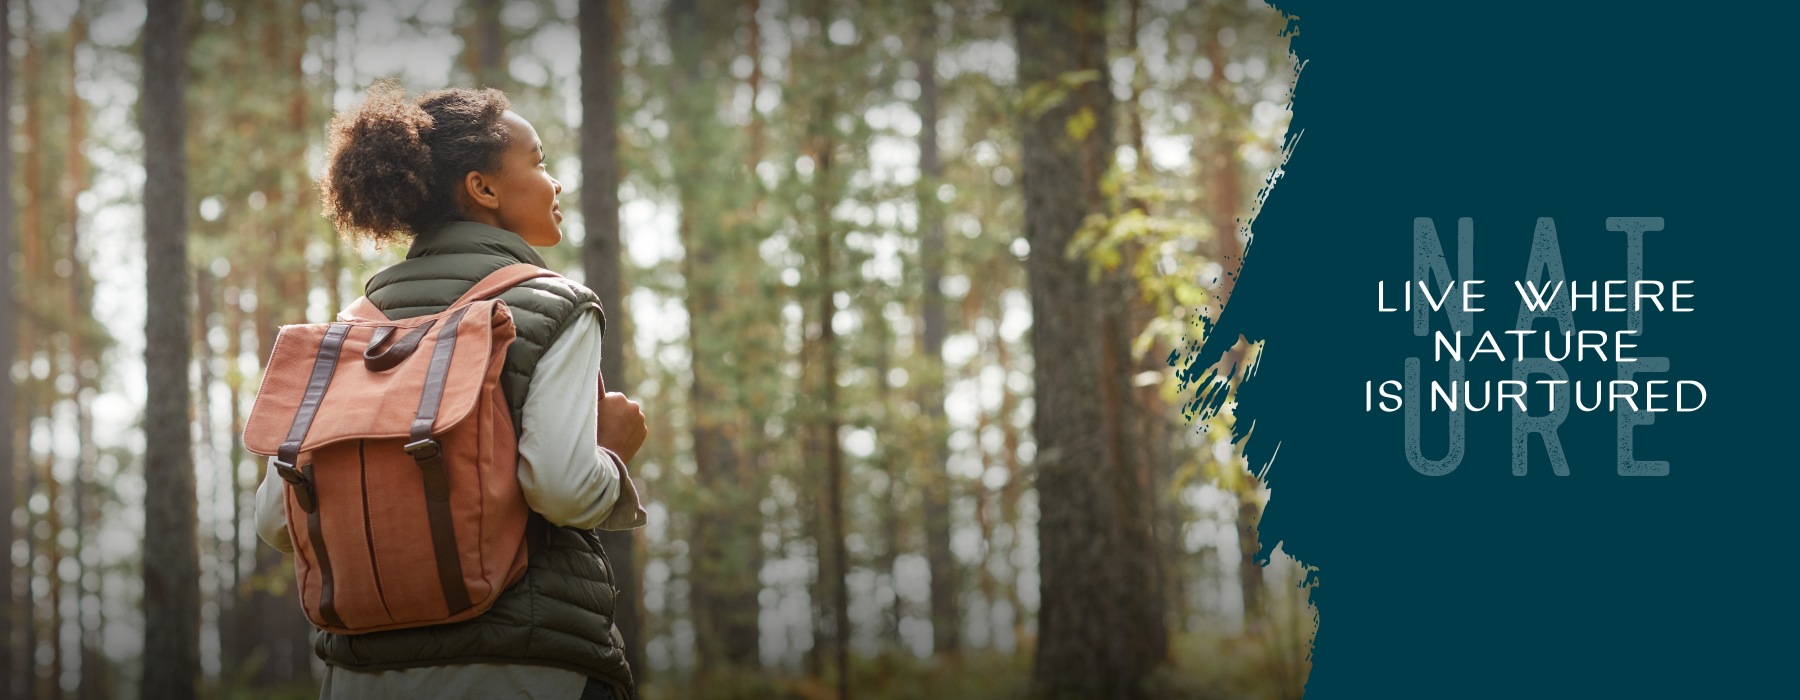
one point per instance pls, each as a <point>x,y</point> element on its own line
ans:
<point>525,191</point>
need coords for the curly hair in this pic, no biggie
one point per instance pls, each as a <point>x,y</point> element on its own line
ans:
<point>394,168</point>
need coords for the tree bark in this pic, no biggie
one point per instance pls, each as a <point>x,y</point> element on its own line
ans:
<point>602,264</point>
<point>1092,615</point>
<point>171,560</point>
<point>78,314</point>
<point>486,54</point>
<point>1226,192</point>
<point>1154,430</point>
<point>828,433</point>
<point>725,546</point>
<point>9,342</point>
<point>1015,486</point>
<point>31,253</point>
<point>234,632</point>
<point>823,147</point>
<point>945,621</point>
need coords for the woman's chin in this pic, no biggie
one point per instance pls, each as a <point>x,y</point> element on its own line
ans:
<point>545,239</point>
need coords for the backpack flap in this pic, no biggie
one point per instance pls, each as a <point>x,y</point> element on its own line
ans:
<point>352,392</point>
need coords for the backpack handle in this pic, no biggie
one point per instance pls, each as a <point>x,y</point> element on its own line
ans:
<point>382,355</point>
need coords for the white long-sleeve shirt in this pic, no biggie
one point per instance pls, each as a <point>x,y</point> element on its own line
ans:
<point>566,477</point>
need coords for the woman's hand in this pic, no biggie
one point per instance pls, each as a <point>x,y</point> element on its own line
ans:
<point>621,425</point>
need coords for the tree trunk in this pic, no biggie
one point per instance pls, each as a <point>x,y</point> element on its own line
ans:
<point>823,146</point>
<point>1225,190</point>
<point>32,269</point>
<point>725,546</point>
<point>603,268</point>
<point>78,314</point>
<point>1015,486</point>
<point>1250,573</point>
<point>223,592</point>
<point>887,426</point>
<point>53,545</point>
<point>9,343</point>
<point>1092,617</point>
<point>485,56</point>
<point>945,621</point>
<point>171,560</point>
<point>235,627</point>
<point>1154,434</point>
<point>753,49</point>
<point>1225,200</point>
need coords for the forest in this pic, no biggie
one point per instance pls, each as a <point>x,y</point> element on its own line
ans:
<point>911,292</point>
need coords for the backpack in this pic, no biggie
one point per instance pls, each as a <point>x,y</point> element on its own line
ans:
<point>400,456</point>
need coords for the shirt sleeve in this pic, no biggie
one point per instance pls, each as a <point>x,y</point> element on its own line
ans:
<point>271,510</point>
<point>565,475</point>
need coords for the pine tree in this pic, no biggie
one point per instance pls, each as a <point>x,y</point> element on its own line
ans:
<point>726,550</point>
<point>825,451</point>
<point>1091,530</point>
<point>602,265</point>
<point>9,320</point>
<point>945,624</point>
<point>171,564</point>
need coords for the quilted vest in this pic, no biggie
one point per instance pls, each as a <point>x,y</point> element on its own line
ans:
<point>560,613</point>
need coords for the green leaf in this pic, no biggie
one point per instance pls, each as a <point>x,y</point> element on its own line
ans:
<point>1080,124</point>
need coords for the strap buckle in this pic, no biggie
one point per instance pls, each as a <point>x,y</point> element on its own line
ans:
<point>425,449</point>
<point>288,473</point>
<point>427,453</point>
<point>300,483</point>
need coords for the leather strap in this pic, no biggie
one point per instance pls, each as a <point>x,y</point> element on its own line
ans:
<point>429,455</point>
<point>301,479</point>
<point>327,598</point>
<point>324,365</point>
<point>381,358</point>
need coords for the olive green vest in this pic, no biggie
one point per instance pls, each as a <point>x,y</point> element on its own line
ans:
<point>560,613</point>
<point>442,265</point>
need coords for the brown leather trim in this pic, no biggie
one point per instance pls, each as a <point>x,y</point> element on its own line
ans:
<point>433,395</point>
<point>430,457</point>
<point>324,365</point>
<point>301,479</point>
<point>327,604</point>
<point>449,562</point>
<point>362,463</point>
<point>381,335</point>
<point>382,359</point>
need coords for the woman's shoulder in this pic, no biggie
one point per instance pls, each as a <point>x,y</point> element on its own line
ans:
<point>564,287</point>
<point>559,298</point>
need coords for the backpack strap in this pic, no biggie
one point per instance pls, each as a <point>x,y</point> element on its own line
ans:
<point>501,280</point>
<point>428,454</point>
<point>424,447</point>
<point>361,310</point>
<point>487,288</point>
<point>300,477</point>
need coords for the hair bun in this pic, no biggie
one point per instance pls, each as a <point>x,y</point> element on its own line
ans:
<point>393,165</point>
<point>378,165</point>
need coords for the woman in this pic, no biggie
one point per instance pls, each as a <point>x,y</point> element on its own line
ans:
<point>460,178</point>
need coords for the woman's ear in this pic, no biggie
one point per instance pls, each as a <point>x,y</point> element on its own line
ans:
<point>480,191</point>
